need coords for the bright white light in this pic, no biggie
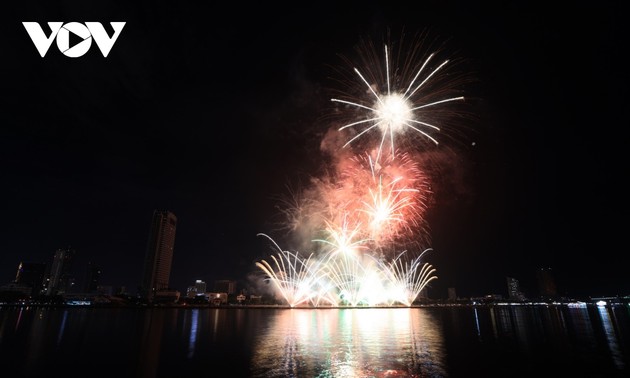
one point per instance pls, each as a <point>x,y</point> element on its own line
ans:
<point>394,113</point>
<point>394,110</point>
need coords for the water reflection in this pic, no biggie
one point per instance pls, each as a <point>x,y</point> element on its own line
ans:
<point>62,327</point>
<point>17,324</point>
<point>41,330</point>
<point>477,323</point>
<point>581,327</point>
<point>193,333</point>
<point>350,343</point>
<point>483,341</point>
<point>151,340</point>
<point>611,337</point>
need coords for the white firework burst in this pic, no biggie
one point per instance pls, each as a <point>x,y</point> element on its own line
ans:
<point>395,111</point>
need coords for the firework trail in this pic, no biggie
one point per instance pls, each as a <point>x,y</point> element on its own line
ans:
<point>373,200</point>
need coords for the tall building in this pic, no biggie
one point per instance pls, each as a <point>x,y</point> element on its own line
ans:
<point>32,275</point>
<point>546,283</point>
<point>92,278</point>
<point>159,254</point>
<point>60,279</point>
<point>514,289</point>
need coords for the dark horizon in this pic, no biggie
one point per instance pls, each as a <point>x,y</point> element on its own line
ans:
<point>215,123</point>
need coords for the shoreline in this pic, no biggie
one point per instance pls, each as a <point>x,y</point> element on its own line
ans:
<point>576,304</point>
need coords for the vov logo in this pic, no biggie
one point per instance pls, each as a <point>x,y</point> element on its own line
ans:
<point>61,32</point>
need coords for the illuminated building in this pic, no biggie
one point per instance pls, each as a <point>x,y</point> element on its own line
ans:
<point>201,286</point>
<point>514,289</point>
<point>198,289</point>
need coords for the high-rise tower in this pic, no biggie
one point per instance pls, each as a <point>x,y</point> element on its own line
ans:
<point>514,289</point>
<point>60,280</point>
<point>159,254</point>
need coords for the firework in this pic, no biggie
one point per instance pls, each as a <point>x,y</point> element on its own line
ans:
<point>388,198</point>
<point>371,204</point>
<point>297,279</point>
<point>398,105</point>
<point>346,277</point>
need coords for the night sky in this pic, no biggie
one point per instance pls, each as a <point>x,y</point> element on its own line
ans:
<point>213,113</point>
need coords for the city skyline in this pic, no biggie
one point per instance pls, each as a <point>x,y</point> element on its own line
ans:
<point>541,281</point>
<point>221,124</point>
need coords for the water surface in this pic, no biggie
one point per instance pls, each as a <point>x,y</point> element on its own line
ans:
<point>497,341</point>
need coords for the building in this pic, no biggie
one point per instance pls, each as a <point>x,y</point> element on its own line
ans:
<point>201,286</point>
<point>60,280</point>
<point>159,253</point>
<point>32,275</point>
<point>514,290</point>
<point>452,294</point>
<point>199,289</point>
<point>218,299</point>
<point>225,286</point>
<point>166,296</point>
<point>191,292</point>
<point>546,283</point>
<point>92,278</point>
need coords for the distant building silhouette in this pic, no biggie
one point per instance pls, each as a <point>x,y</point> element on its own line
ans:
<point>159,253</point>
<point>546,283</point>
<point>201,286</point>
<point>60,280</point>
<point>514,289</point>
<point>92,278</point>
<point>198,289</point>
<point>452,294</point>
<point>225,286</point>
<point>32,275</point>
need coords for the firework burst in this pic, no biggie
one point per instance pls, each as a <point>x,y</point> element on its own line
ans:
<point>372,203</point>
<point>390,197</point>
<point>398,102</point>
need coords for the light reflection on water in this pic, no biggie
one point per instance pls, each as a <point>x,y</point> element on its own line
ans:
<point>63,326</point>
<point>194,329</point>
<point>275,342</point>
<point>611,336</point>
<point>350,343</point>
